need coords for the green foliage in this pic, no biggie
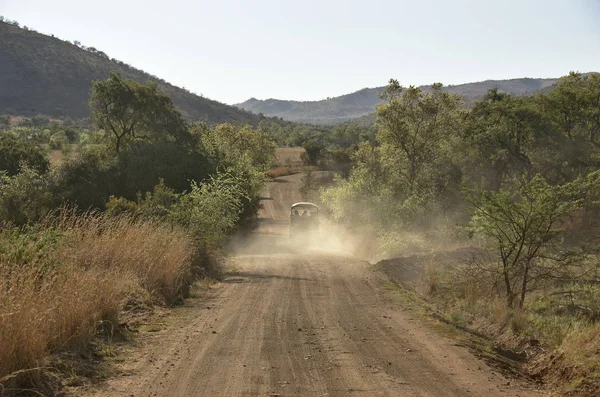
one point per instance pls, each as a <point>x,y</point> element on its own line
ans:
<point>313,153</point>
<point>503,129</point>
<point>4,121</point>
<point>413,126</point>
<point>522,223</point>
<point>141,167</point>
<point>117,206</point>
<point>572,112</point>
<point>341,161</point>
<point>308,182</point>
<point>406,185</point>
<point>344,135</point>
<point>211,210</point>
<point>228,145</point>
<point>402,181</point>
<point>156,154</point>
<point>43,130</point>
<point>131,112</point>
<point>58,140</point>
<point>14,152</point>
<point>245,154</point>
<point>24,197</point>
<point>157,204</point>
<point>88,180</point>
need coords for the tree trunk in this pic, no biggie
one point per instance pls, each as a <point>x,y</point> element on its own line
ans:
<point>524,286</point>
<point>509,293</point>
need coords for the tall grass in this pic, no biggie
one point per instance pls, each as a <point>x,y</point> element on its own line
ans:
<point>64,279</point>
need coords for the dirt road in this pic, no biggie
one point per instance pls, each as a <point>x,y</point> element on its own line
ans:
<point>294,322</point>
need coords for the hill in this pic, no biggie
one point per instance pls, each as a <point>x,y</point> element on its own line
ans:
<point>363,102</point>
<point>41,74</point>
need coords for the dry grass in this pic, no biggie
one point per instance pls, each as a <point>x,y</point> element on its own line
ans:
<point>582,347</point>
<point>68,279</point>
<point>288,162</point>
<point>277,172</point>
<point>57,156</point>
<point>15,120</point>
<point>289,156</point>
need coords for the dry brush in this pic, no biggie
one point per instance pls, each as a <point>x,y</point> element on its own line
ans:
<point>68,278</point>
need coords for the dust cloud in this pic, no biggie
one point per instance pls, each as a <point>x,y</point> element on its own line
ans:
<point>271,238</point>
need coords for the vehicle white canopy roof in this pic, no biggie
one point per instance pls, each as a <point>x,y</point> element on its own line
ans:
<point>305,204</point>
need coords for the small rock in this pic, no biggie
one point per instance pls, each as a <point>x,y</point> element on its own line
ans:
<point>214,332</point>
<point>408,350</point>
<point>299,329</point>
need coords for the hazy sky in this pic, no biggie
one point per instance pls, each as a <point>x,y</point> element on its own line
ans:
<point>306,50</point>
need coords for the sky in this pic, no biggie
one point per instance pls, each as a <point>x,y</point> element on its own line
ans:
<point>231,50</point>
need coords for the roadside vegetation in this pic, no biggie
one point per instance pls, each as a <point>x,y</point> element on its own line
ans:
<point>496,207</point>
<point>131,215</point>
<point>513,181</point>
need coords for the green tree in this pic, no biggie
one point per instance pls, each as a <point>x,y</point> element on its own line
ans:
<point>58,140</point>
<point>25,197</point>
<point>502,130</point>
<point>130,112</point>
<point>229,144</point>
<point>398,183</point>
<point>413,124</point>
<point>211,210</point>
<point>573,109</point>
<point>313,152</point>
<point>4,121</point>
<point>245,154</point>
<point>15,152</point>
<point>522,223</point>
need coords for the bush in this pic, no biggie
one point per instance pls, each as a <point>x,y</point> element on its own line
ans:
<point>58,140</point>
<point>313,152</point>
<point>118,206</point>
<point>25,197</point>
<point>88,180</point>
<point>91,178</point>
<point>524,226</point>
<point>142,168</point>
<point>157,204</point>
<point>14,152</point>
<point>210,211</point>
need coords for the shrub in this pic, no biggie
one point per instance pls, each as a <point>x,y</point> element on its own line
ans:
<point>142,168</point>
<point>88,180</point>
<point>58,140</point>
<point>211,210</point>
<point>14,152</point>
<point>25,197</point>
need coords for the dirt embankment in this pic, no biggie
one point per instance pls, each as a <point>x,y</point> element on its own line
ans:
<point>511,352</point>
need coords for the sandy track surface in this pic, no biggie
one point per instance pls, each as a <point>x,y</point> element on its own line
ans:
<point>295,322</point>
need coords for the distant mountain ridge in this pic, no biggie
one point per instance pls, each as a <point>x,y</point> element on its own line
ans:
<point>363,102</point>
<point>40,74</point>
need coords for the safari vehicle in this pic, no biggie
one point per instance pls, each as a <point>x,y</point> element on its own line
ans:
<point>304,219</point>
